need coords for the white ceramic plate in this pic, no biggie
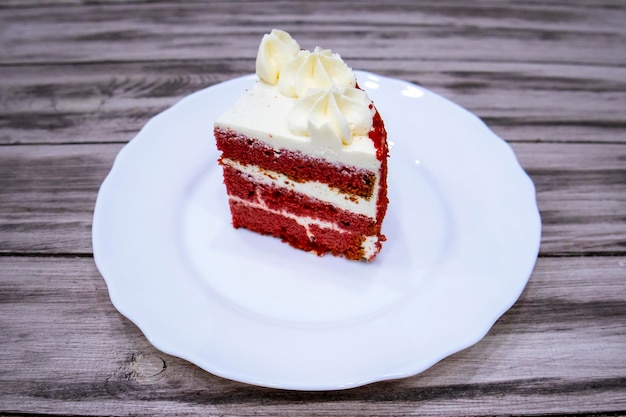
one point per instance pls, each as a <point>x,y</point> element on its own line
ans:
<point>463,234</point>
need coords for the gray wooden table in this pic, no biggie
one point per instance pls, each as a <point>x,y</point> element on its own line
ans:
<point>78,80</point>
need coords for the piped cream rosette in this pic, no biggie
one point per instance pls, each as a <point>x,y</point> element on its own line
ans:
<point>312,70</point>
<point>332,117</point>
<point>275,51</point>
<point>330,109</point>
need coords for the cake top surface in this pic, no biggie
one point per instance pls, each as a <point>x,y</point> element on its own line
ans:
<point>305,100</point>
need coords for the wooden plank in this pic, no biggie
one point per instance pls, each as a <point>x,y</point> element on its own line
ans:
<point>92,73</point>
<point>487,30</point>
<point>48,194</point>
<point>110,102</point>
<point>581,194</point>
<point>66,350</point>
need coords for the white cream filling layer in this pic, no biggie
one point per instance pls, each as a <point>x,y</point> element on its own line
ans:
<point>303,221</point>
<point>368,245</point>
<point>318,190</point>
<point>262,112</point>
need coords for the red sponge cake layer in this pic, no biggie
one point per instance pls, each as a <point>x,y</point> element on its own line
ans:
<point>295,165</point>
<point>314,239</point>
<point>289,202</point>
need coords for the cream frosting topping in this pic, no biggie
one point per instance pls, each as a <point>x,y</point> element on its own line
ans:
<point>330,109</point>
<point>332,117</point>
<point>305,101</point>
<point>277,48</point>
<point>261,113</point>
<point>318,69</point>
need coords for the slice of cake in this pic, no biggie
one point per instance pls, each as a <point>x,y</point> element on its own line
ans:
<point>304,153</point>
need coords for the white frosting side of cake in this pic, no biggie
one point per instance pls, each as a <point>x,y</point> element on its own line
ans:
<point>323,192</point>
<point>261,113</point>
<point>369,246</point>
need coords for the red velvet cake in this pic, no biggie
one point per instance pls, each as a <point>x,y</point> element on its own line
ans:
<point>304,153</point>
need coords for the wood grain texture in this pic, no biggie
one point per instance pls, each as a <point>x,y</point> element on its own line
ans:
<point>106,102</point>
<point>562,336</point>
<point>554,32</point>
<point>79,78</point>
<point>49,192</point>
<point>120,64</point>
